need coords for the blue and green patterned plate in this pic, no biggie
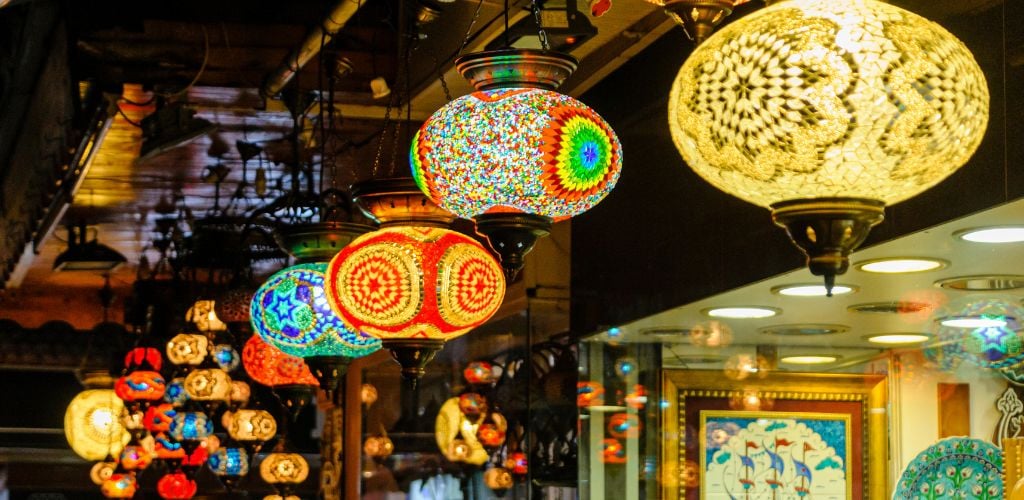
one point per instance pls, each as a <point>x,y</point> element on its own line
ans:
<point>957,467</point>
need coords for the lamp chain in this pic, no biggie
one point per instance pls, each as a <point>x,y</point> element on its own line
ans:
<point>541,34</point>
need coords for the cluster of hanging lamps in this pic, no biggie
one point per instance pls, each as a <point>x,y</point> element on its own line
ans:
<point>515,155</point>
<point>827,112</point>
<point>413,283</point>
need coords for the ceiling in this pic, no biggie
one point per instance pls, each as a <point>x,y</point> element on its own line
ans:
<point>675,327</point>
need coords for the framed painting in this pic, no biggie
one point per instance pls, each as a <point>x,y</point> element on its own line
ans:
<point>785,436</point>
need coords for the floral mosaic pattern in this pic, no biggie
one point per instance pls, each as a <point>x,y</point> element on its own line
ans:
<point>810,99</point>
<point>956,467</point>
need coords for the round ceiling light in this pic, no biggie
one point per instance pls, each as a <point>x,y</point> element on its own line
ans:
<point>804,330</point>
<point>742,312</point>
<point>812,290</point>
<point>996,234</point>
<point>974,321</point>
<point>983,283</point>
<point>898,338</point>
<point>809,359</point>
<point>901,265</point>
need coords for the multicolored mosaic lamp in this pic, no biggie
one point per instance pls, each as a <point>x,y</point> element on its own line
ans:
<point>287,375</point>
<point>176,486</point>
<point>826,112</point>
<point>142,383</point>
<point>414,284</point>
<point>229,464</point>
<point>290,312</point>
<point>516,155</point>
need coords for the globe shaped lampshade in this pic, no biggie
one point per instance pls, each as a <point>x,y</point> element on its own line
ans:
<point>175,393</point>
<point>229,461</point>
<point>190,426</point>
<point>282,469</point>
<point>176,486</point>
<point>986,331</point>
<point>269,366</point>
<point>252,426</point>
<point>290,312</point>
<point>208,384</point>
<point>414,288</point>
<point>226,357</point>
<point>135,457</point>
<point>101,471</point>
<point>92,424</point>
<point>528,150</point>
<point>119,485</point>
<point>203,315</point>
<point>233,305</point>
<point>187,349</point>
<point>827,111</point>
<point>140,386</point>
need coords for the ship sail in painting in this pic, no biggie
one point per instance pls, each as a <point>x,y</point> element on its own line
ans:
<point>791,456</point>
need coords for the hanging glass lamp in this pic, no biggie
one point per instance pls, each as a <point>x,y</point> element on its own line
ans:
<point>516,155</point>
<point>827,111</point>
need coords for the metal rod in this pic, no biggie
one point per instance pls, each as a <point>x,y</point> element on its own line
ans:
<point>320,35</point>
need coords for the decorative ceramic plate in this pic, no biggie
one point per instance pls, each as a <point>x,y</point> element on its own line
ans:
<point>957,467</point>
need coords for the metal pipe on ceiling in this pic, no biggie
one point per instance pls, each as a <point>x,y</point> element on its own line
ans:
<point>317,37</point>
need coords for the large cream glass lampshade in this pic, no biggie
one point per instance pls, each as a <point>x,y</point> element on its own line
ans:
<point>92,424</point>
<point>825,112</point>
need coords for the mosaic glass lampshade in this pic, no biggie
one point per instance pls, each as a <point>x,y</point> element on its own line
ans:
<point>826,112</point>
<point>167,449</point>
<point>158,418</point>
<point>141,386</point>
<point>175,392</point>
<point>240,393</point>
<point>188,349</point>
<point>92,424</point>
<point>229,461</point>
<point>176,486</point>
<point>226,357</point>
<point>414,288</point>
<point>248,425</point>
<point>498,479</point>
<point>515,154</point>
<point>208,385</point>
<point>479,372</point>
<point>190,426</point>
<point>284,469</point>
<point>119,485</point>
<point>101,471</point>
<point>290,312</point>
<point>203,315</point>
<point>233,306</point>
<point>135,457</point>
<point>269,366</point>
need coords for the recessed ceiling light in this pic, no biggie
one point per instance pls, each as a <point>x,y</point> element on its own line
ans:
<point>811,290</point>
<point>742,312</point>
<point>808,360</point>
<point>898,338</point>
<point>985,283</point>
<point>808,330</point>
<point>974,322</point>
<point>998,234</point>
<point>900,265</point>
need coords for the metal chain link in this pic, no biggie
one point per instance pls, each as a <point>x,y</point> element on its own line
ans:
<point>541,34</point>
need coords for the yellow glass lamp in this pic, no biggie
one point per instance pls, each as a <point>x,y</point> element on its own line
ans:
<point>827,111</point>
<point>202,314</point>
<point>101,471</point>
<point>248,426</point>
<point>208,386</point>
<point>188,349</point>
<point>456,435</point>
<point>92,422</point>
<point>284,470</point>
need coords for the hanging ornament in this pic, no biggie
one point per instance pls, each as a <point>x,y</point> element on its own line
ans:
<point>142,383</point>
<point>176,486</point>
<point>229,464</point>
<point>499,480</point>
<point>202,314</point>
<point>290,312</point>
<point>188,349</point>
<point>209,387</point>
<point>284,471</point>
<point>589,393</point>
<point>190,428</point>
<point>287,375</point>
<point>516,155</point>
<point>175,393</point>
<point>826,112</point>
<point>479,373</point>
<point>226,357</point>
<point>232,307</point>
<point>413,283</point>
<point>158,418</point>
<point>517,463</point>
<point>248,426</point>
<point>612,452</point>
<point>119,485</point>
<point>92,422</point>
<point>101,471</point>
<point>624,425</point>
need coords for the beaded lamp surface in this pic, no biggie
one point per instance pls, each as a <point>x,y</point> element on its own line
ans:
<point>284,469</point>
<point>208,384</point>
<point>271,367</point>
<point>92,424</point>
<point>414,282</point>
<point>525,150</point>
<point>142,385</point>
<point>229,462</point>
<point>290,312</point>
<point>187,349</point>
<point>190,426</point>
<point>176,486</point>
